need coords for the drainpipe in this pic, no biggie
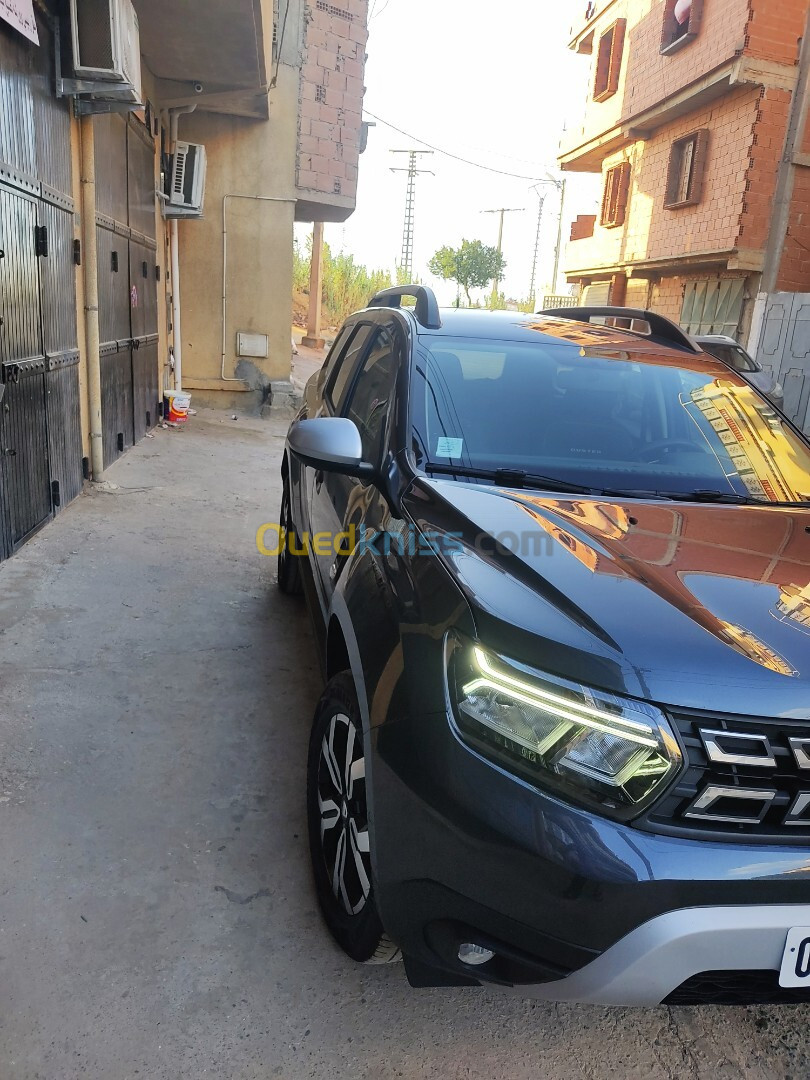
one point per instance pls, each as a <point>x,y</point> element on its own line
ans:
<point>174,243</point>
<point>248,198</point>
<point>90,261</point>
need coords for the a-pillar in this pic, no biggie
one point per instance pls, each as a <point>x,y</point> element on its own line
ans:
<point>313,339</point>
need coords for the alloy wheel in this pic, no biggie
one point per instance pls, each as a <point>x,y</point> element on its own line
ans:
<point>343,814</point>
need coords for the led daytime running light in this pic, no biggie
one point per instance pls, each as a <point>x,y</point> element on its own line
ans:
<point>583,715</point>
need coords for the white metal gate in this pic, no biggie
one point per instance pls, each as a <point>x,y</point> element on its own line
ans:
<point>784,349</point>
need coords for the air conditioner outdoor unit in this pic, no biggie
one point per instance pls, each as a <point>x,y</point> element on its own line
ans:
<point>107,49</point>
<point>187,184</point>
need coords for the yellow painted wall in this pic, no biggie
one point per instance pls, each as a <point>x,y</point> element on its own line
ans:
<point>245,158</point>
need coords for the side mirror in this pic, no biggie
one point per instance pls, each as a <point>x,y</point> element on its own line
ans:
<point>331,444</point>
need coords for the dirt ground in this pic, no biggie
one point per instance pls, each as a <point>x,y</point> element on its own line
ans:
<point>156,913</point>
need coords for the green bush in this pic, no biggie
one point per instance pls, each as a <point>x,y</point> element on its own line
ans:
<point>347,286</point>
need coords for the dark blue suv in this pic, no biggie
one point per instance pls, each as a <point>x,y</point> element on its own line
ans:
<point>559,567</point>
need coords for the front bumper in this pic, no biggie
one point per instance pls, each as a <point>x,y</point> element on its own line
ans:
<point>578,907</point>
<point>653,961</point>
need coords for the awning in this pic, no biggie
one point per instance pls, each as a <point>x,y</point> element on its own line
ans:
<point>219,46</point>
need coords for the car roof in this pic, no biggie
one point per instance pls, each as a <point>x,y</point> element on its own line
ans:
<point>721,339</point>
<point>518,326</point>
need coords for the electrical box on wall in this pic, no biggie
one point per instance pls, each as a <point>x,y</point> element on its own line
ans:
<point>256,346</point>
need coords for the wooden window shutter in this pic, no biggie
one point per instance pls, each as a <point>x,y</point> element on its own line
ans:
<point>615,197</point>
<point>609,61</point>
<point>699,166</point>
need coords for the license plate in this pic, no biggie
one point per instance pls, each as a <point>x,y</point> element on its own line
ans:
<point>796,959</point>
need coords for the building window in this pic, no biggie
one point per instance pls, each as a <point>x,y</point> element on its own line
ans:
<point>614,200</point>
<point>681,23</point>
<point>687,165</point>
<point>609,61</point>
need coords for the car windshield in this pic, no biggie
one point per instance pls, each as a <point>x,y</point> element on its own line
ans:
<point>644,419</point>
<point>734,355</point>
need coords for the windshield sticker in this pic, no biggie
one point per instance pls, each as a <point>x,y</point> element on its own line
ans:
<point>451,448</point>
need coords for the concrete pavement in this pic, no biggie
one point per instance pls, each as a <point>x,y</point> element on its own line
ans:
<point>156,913</point>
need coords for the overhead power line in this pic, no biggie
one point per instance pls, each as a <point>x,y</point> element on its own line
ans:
<point>455,157</point>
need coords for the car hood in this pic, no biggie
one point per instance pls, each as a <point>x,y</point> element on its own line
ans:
<point>702,606</point>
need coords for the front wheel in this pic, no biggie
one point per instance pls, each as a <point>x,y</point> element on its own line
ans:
<point>339,840</point>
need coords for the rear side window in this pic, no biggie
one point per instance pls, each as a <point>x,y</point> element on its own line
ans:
<point>340,379</point>
<point>732,355</point>
<point>373,393</point>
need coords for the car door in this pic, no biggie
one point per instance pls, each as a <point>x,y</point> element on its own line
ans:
<point>340,503</point>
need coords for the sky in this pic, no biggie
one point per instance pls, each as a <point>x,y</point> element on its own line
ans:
<point>491,83</point>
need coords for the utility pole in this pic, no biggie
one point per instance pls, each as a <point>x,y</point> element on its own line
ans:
<point>558,250</point>
<point>410,201</point>
<point>501,211</point>
<point>560,186</point>
<point>541,199</point>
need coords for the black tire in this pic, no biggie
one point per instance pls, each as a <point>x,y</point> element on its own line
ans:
<point>339,841</point>
<point>289,564</point>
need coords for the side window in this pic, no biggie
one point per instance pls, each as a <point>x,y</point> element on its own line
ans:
<point>340,379</point>
<point>335,354</point>
<point>374,391</point>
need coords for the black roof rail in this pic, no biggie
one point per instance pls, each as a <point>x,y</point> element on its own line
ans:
<point>427,307</point>
<point>663,331</point>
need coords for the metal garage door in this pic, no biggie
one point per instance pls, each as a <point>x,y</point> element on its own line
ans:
<point>713,307</point>
<point>40,436</point>
<point>596,294</point>
<point>127,256</point>
<point>784,349</point>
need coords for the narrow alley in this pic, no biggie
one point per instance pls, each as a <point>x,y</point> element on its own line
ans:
<point>156,912</point>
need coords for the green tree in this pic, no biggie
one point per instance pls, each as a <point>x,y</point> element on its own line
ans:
<point>472,266</point>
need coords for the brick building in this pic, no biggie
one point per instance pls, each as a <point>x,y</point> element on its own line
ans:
<point>696,116</point>
<point>331,108</point>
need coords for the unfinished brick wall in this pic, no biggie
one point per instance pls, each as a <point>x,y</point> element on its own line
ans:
<point>774,29</point>
<point>330,118</point>
<point>646,75</point>
<point>762,29</point>
<point>760,178</point>
<point>653,232</point>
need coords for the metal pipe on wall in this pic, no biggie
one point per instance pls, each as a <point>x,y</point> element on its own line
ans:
<point>91,304</point>
<point>249,198</point>
<point>174,244</point>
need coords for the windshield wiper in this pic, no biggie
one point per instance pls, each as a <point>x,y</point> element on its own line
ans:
<point>707,495</point>
<point>515,478</point>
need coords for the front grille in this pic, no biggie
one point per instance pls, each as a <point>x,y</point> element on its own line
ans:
<point>758,790</point>
<point>736,988</point>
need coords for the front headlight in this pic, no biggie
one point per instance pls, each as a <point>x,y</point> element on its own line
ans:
<point>585,744</point>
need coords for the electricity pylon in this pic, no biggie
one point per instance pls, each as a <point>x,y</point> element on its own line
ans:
<point>410,206</point>
<point>541,204</point>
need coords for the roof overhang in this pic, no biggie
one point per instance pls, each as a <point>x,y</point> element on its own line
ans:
<point>316,206</point>
<point>741,259</point>
<point>220,48</point>
<point>742,71</point>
